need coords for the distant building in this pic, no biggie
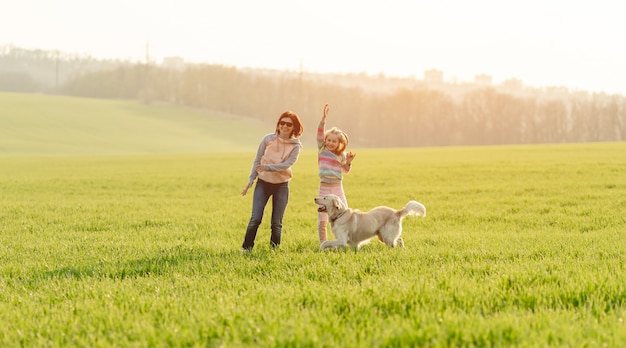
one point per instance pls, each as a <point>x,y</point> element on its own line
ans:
<point>176,63</point>
<point>433,76</point>
<point>482,80</point>
<point>512,85</point>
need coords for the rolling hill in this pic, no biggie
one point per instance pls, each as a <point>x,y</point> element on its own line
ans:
<point>32,124</point>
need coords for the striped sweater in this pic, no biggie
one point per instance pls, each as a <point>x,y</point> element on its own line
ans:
<point>331,167</point>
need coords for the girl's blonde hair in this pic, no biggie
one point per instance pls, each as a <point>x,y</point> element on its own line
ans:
<point>343,139</point>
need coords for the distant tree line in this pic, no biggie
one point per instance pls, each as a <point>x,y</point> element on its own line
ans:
<point>404,117</point>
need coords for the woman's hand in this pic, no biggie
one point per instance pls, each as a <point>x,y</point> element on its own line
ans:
<point>245,190</point>
<point>326,109</point>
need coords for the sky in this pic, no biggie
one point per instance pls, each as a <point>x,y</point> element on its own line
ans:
<point>575,44</point>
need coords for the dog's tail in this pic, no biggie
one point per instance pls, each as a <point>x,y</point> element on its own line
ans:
<point>413,208</point>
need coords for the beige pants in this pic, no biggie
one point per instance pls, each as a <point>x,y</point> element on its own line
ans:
<point>322,218</point>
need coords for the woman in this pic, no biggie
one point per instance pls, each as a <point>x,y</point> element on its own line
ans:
<point>277,152</point>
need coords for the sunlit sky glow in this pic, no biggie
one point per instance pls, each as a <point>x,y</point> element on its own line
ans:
<point>577,44</point>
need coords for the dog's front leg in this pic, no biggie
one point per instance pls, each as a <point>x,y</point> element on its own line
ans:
<point>334,244</point>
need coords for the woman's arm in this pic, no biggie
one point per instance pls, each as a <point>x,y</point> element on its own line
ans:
<point>289,161</point>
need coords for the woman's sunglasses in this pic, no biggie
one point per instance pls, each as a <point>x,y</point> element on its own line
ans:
<point>283,123</point>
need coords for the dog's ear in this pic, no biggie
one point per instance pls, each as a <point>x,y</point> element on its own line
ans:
<point>338,203</point>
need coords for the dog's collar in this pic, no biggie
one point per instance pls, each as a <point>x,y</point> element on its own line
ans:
<point>335,217</point>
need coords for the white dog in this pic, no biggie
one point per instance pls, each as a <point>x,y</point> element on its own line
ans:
<point>355,228</point>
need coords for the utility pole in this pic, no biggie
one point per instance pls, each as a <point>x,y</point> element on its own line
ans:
<point>147,53</point>
<point>145,93</point>
<point>56,74</point>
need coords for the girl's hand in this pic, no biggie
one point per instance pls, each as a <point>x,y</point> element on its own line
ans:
<point>350,157</point>
<point>326,109</point>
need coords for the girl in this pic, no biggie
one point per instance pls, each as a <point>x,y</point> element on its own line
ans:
<point>277,152</point>
<point>332,163</point>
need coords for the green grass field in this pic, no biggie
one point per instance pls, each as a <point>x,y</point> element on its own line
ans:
<point>522,246</point>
